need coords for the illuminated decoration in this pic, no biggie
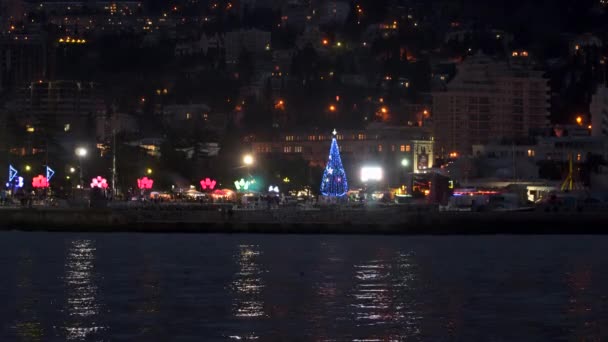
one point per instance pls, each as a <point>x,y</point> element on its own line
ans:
<point>69,40</point>
<point>371,173</point>
<point>12,173</point>
<point>99,182</point>
<point>145,183</point>
<point>49,173</point>
<point>334,183</point>
<point>208,184</point>
<point>274,189</point>
<point>40,182</point>
<point>286,180</point>
<point>244,185</point>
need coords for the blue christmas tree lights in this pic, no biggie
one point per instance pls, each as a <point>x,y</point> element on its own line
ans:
<point>334,183</point>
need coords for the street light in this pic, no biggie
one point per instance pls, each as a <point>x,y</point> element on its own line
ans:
<point>28,168</point>
<point>149,171</point>
<point>248,159</point>
<point>72,170</point>
<point>81,152</point>
<point>405,162</point>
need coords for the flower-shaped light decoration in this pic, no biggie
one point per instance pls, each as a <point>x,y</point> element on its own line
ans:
<point>40,182</point>
<point>99,182</point>
<point>145,183</point>
<point>208,184</point>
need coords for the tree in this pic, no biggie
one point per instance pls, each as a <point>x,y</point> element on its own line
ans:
<point>334,183</point>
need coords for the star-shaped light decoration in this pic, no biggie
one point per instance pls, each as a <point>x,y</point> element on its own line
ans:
<point>330,171</point>
<point>334,132</point>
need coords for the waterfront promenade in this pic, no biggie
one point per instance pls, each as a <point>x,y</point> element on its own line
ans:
<point>332,220</point>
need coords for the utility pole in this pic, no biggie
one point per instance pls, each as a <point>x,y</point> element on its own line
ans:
<point>114,162</point>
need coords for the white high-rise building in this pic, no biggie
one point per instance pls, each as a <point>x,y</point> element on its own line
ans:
<point>489,100</point>
<point>599,112</point>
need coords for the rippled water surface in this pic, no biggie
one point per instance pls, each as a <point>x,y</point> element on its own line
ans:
<point>135,287</point>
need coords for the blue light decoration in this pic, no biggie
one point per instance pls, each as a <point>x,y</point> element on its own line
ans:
<point>49,173</point>
<point>12,173</point>
<point>14,181</point>
<point>334,183</point>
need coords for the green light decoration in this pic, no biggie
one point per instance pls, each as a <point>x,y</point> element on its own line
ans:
<point>244,185</point>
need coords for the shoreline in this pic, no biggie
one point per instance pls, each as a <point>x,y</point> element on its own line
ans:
<point>384,222</point>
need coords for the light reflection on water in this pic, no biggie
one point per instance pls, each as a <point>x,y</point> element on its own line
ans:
<point>82,305</point>
<point>27,325</point>
<point>58,287</point>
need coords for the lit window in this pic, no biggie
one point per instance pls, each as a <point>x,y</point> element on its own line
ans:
<point>66,127</point>
<point>361,136</point>
<point>530,153</point>
<point>578,157</point>
<point>312,137</point>
<point>339,137</point>
<point>402,148</point>
<point>298,149</point>
<point>188,116</point>
<point>286,149</point>
<point>379,148</point>
<point>408,148</point>
<point>289,138</point>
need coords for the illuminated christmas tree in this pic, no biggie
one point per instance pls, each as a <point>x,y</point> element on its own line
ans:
<point>334,182</point>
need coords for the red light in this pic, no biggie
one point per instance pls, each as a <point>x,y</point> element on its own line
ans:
<point>145,183</point>
<point>208,183</point>
<point>39,182</point>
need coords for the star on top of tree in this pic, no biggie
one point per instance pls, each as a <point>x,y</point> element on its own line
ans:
<point>334,132</point>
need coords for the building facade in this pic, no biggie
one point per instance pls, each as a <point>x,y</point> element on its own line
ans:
<point>486,100</point>
<point>398,150</point>
<point>599,112</point>
<point>62,106</point>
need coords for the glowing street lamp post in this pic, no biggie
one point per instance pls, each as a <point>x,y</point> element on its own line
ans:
<point>409,180</point>
<point>81,152</point>
<point>248,161</point>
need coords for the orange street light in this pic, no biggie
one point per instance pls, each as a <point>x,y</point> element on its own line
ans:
<point>384,110</point>
<point>579,120</point>
<point>332,108</point>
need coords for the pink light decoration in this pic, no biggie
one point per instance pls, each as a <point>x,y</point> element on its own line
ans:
<point>99,182</point>
<point>145,183</point>
<point>39,182</point>
<point>208,184</point>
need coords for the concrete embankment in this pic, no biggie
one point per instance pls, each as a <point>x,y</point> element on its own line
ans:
<point>303,222</point>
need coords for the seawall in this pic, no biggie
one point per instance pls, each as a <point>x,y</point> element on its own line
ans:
<point>303,222</point>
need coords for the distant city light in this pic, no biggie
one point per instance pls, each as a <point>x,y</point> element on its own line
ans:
<point>371,173</point>
<point>81,152</point>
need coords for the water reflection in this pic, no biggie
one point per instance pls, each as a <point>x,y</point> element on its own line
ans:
<point>247,287</point>
<point>384,296</point>
<point>27,325</point>
<point>82,304</point>
<point>581,304</point>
